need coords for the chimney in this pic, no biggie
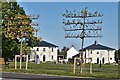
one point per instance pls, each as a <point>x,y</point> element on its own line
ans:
<point>96,42</point>
<point>40,39</point>
<point>72,45</point>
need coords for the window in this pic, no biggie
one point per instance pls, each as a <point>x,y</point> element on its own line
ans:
<point>52,49</point>
<point>91,52</point>
<point>97,52</point>
<point>52,57</point>
<point>103,60</point>
<point>43,49</point>
<point>110,58</point>
<point>37,49</point>
<point>97,60</point>
<point>37,56</point>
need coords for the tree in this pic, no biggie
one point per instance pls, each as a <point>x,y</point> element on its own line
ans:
<point>34,42</point>
<point>0,29</point>
<point>116,56</point>
<point>64,51</point>
<point>15,26</point>
<point>15,21</point>
<point>119,54</point>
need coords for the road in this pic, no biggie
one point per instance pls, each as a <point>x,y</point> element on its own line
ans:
<point>23,76</point>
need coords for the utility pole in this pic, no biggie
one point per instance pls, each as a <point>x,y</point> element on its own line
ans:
<point>80,26</point>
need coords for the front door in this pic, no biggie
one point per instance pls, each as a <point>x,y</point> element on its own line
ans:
<point>97,60</point>
<point>43,58</point>
<point>37,59</point>
<point>103,60</point>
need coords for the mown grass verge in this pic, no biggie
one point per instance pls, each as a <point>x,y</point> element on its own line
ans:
<point>106,71</point>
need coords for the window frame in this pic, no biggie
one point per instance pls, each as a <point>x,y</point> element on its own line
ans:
<point>52,57</point>
<point>52,50</point>
<point>44,49</point>
<point>37,49</point>
<point>111,58</point>
<point>91,52</point>
<point>97,52</point>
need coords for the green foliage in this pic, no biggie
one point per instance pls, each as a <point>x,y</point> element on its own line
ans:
<point>117,55</point>
<point>15,21</point>
<point>10,48</point>
<point>16,24</point>
<point>25,48</point>
<point>0,23</point>
<point>85,11</point>
<point>35,41</point>
<point>10,45</point>
<point>64,51</point>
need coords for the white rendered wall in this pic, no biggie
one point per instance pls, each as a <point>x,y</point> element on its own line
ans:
<point>71,52</point>
<point>107,55</point>
<point>48,53</point>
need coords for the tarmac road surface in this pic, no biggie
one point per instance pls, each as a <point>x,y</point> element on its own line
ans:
<point>26,76</point>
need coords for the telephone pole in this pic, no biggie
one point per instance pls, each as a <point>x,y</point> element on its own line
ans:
<point>81,25</point>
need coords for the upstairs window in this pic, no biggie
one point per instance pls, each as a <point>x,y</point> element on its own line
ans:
<point>97,52</point>
<point>91,52</point>
<point>43,49</point>
<point>110,58</point>
<point>52,49</point>
<point>37,49</point>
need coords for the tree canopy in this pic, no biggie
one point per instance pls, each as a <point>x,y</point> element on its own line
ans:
<point>16,27</point>
<point>64,51</point>
<point>117,55</point>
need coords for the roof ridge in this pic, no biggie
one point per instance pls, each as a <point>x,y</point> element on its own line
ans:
<point>46,44</point>
<point>98,46</point>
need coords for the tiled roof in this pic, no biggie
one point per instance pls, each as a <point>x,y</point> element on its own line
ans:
<point>98,47</point>
<point>95,47</point>
<point>46,44</point>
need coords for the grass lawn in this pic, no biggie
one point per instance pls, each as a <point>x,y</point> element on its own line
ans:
<point>106,71</point>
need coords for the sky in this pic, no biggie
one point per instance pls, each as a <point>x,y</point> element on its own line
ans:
<point>67,0</point>
<point>51,21</point>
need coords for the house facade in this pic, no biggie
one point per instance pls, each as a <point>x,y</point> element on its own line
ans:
<point>44,52</point>
<point>71,52</point>
<point>99,54</point>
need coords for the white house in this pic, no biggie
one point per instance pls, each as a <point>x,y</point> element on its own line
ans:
<point>99,54</point>
<point>44,52</point>
<point>71,52</point>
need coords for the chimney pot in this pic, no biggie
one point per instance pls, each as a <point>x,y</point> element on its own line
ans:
<point>96,42</point>
<point>40,39</point>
